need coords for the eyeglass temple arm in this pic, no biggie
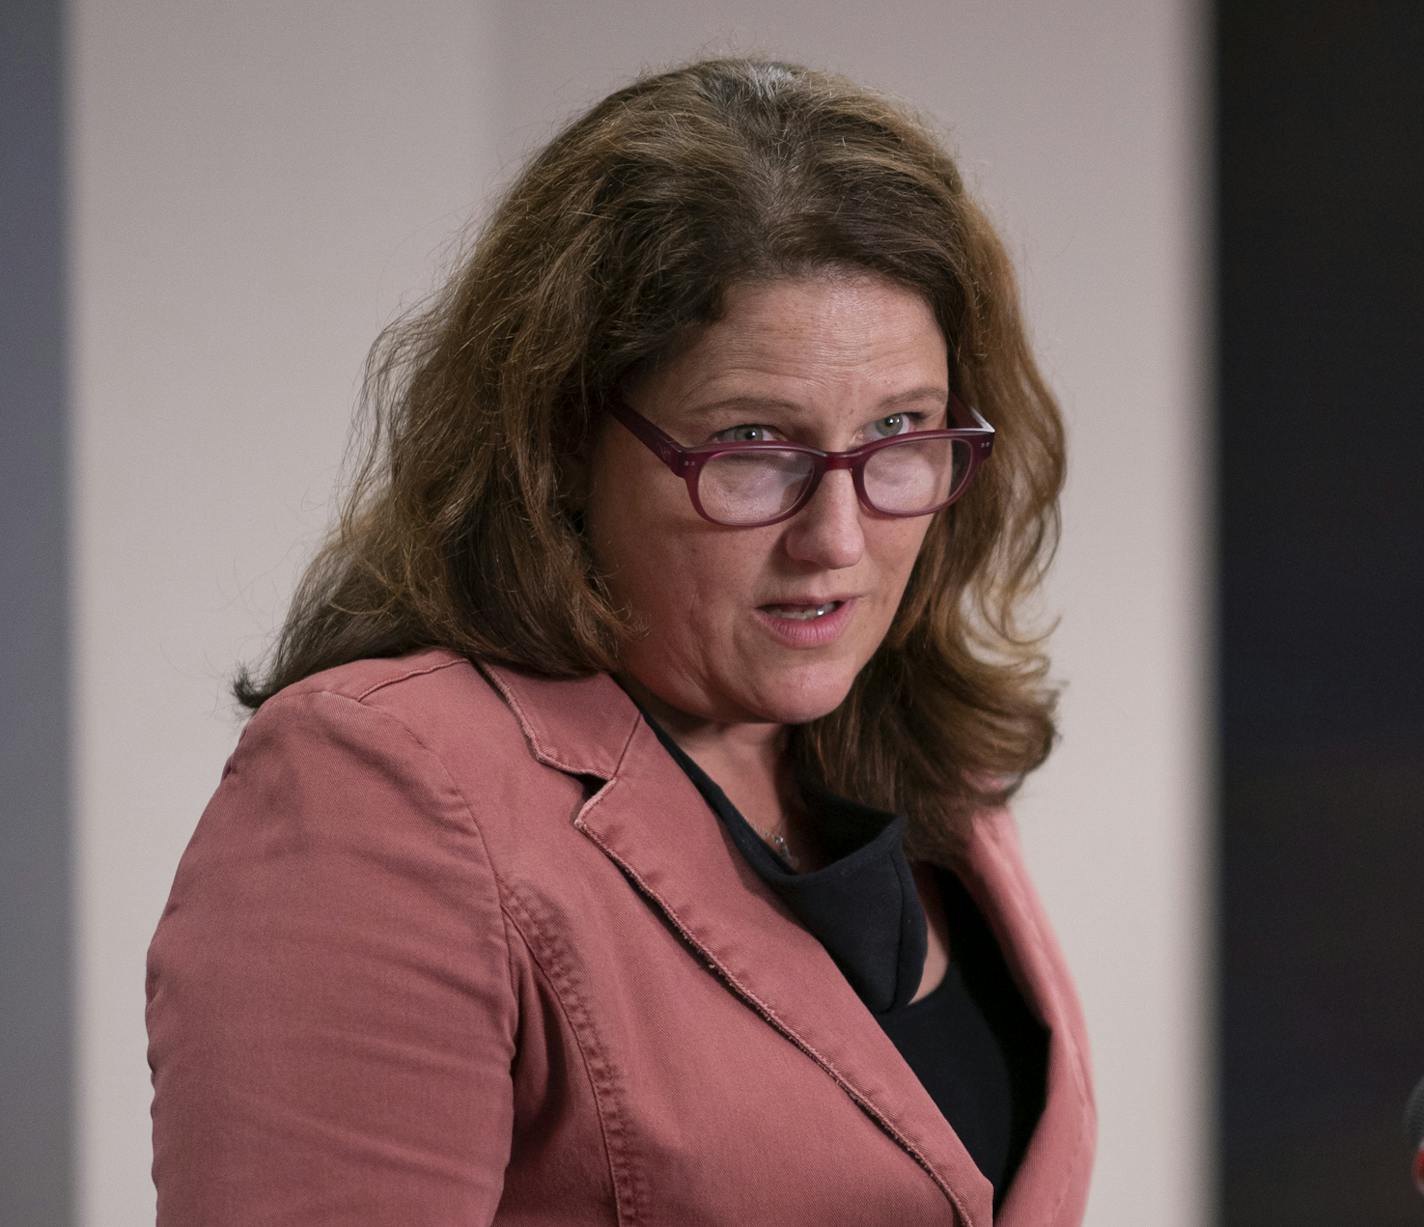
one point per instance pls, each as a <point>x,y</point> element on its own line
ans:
<point>971,414</point>
<point>663,446</point>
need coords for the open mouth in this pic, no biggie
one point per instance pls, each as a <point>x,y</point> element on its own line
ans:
<point>803,613</point>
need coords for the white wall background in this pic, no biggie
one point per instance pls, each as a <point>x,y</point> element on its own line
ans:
<point>256,190</point>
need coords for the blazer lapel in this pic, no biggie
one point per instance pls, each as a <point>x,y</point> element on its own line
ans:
<point>650,820</point>
<point>1050,1186</point>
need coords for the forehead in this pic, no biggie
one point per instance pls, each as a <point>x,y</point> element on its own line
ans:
<point>832,342</point>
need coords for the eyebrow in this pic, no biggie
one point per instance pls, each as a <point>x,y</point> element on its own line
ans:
<point>702,412</point>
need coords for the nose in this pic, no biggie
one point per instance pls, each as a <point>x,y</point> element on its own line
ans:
<point>828,530</point>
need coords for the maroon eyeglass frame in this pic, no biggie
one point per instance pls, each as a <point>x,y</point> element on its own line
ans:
<point>688,462</point>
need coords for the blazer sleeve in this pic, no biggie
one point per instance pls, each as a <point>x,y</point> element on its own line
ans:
<point>331,1011</point>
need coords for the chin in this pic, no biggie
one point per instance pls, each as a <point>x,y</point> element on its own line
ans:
<point>801,700</point>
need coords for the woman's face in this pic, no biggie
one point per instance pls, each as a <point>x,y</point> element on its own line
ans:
<point>833,362</point>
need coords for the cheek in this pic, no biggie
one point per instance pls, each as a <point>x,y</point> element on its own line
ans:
<point>625,502</point>
<point>693,585</point>
<point>901,546</point>
<point>697,578</point>
<point>656,558</point>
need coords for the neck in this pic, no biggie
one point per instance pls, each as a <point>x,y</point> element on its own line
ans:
<point>750,748</point>
<point>748,761</point>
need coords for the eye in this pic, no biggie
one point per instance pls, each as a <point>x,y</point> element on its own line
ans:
<point>898,424</point>
<point>748,432</point>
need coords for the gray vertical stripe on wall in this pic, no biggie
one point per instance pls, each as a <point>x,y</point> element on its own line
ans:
<point>36,1015</point>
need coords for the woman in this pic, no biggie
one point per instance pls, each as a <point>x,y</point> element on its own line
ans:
<point>620,834</point>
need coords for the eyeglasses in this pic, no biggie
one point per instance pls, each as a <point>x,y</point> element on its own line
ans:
<point>750,485</point>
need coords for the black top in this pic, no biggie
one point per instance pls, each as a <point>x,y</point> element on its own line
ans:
<point>972,1041</point>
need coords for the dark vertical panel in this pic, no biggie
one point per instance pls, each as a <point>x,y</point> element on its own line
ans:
<point>36,1015</point>
<point>1321,317</point>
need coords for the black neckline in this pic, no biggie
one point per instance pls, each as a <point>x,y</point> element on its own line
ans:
<point>863,906</point>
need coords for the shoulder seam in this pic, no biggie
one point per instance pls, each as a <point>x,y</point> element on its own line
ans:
<point>391,681</point>
<point>499,892</point>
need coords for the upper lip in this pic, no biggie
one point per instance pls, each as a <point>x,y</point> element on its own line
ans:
<point>811,600</point>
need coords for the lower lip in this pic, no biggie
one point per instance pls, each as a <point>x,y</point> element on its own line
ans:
<point>808,632</point>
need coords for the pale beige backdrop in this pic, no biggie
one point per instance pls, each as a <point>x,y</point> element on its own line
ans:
<point>258,187</point>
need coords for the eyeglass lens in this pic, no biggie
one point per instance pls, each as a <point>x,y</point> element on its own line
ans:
<point>909,478</point>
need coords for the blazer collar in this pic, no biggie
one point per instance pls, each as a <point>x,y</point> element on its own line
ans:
<point>579,725</point>
<point>653,823</point>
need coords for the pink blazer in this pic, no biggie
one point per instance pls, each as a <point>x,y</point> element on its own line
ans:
<point>463,946</point>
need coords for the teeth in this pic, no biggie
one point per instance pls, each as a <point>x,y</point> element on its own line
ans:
<point>803,613</point>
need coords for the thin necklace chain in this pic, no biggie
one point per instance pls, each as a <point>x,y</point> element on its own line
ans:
<point>778,841</point>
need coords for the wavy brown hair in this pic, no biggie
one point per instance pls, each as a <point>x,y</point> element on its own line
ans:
<point>462,526</point>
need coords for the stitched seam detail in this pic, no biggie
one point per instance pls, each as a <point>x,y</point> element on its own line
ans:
<point>449,780</point>
<point>771,1016</point>
<point>544,971</point>
<point>409,673</point>
<point>559,970</point>
<point>544,752</point>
